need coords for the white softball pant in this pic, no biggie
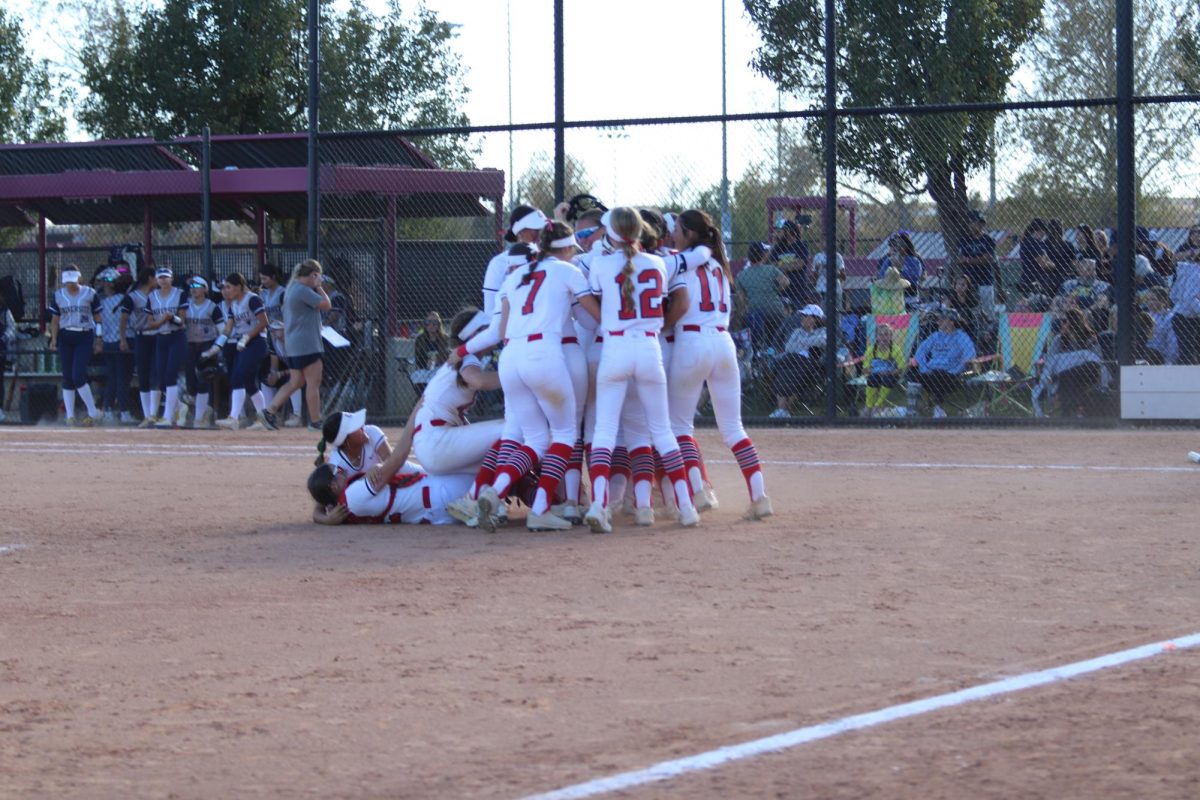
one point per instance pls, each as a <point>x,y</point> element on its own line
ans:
<point>699,356</point>
<point>449,449</point>
<point>538,392</point>
<point>632,364</point>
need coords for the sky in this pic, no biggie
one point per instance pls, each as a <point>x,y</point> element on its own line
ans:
<point>623,58</point>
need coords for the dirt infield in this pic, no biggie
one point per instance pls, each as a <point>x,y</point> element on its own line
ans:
<point>172,626</point>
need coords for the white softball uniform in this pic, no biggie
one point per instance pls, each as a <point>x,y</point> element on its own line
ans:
<point>412,496</point>
<point>532,367</point>
<point>631,358</point>
<point>443,440</point>
<point>341,461</point>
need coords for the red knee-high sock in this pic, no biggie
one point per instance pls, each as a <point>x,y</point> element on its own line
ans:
<point>747,459</point>
<point>690,451</point>
<point>521,461</point>
<point>621,465</point>
<point>673,464</point>
<point>554,466</point>
<point>487,471</point>
<point>599,468</point>
<point>643,475</point>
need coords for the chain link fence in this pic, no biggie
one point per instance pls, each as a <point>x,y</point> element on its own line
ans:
<point>1000,222</point>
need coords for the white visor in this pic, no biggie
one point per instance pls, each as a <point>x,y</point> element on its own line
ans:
<point>669,218</point>
<point>566,241</point>
<point>477,323</point>
<point>351,422</point>
<point>70,276</point>
<point>606,221</point>
<point>533,221</point>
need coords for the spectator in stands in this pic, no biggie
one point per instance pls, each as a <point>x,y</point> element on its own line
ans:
<point>431,348</point>
<point>762,285</point>
<point>942,358</point>
<point>977,258</point>
<point>887,293</point>
<point>1039,277</point>
<point>801,365</point>
<point>883,364</point>
<point>1163,343</point>
<point>1093,244</point>
<point>1145,278</point>
<point>966,299</point>
<point>1190,249</point>
<point>1073,365</point>
<point>1185,294</point>
<point>1061,252</point>
<point>818,262</point>
<point>1107,338</point>
<point>790,254</point>
<point>903,256</point>
<point>1089,292</point>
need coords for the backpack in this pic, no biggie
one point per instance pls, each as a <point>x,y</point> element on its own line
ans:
<point>13,297</point>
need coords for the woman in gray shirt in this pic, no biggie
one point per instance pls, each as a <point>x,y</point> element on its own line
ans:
<point>303,303</point>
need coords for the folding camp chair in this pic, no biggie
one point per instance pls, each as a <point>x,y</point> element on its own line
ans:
<point>907,328</point>
<point>1023,338</point>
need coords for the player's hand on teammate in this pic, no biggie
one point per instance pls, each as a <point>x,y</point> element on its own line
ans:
<point>455,359</point>
<point>561,210</point>
<point>210,352</point>
<point>377,476</point>
<point>242,342</point>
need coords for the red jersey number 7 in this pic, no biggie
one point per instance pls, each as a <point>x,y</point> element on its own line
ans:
<point>537,279</point>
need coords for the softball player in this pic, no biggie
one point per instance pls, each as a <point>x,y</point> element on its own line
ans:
<point>116,363</point>
<point>704,351</point>
<point>356,446</point>
<point>536,305</point>
<point>74,325</point>
<point>135,318</point>
<point>443,440</point>
<point>204,322</point>
<point>631,286</point>
<point>167,309</point>
<point>246,325</point>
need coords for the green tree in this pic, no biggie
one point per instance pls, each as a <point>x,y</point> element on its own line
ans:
<point>903,54</point>
<point>536,186</point>
<point>31,108</point>
<point>1074,154</point>
<point>240,66</point>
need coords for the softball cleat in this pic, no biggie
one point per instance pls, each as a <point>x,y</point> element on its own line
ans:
<point>644,516</point>
<point>689,517</point>
<point>489,504</point>
<point>759,509</point>
<point>546,522</point>
<point>597,519</point>
<point>706,500</point>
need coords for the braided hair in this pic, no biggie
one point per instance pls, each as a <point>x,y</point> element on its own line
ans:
<point>628,226</point>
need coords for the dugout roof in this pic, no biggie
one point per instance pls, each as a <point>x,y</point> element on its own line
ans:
<point>126,181</point>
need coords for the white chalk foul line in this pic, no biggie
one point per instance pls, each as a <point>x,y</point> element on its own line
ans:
<point>938,465</point>
<point>10,548</point>
<point>178,451</point>
<point>783,741</point>
<point>76,446</point>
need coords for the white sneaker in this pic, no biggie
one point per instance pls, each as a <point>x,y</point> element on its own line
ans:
<point>707,499</point>
<point>938,412</point>
<point>292,422</point>
<point>568,511</point>
<point>127,418</point>
<point>257,426</point>
<point>206,419</point>
<point>597,518</point>
<point>627,506</point>
<point>489,503</point>
<point>546,522</point>
<point>229,423</point>
<point>109,418</point>
<point>465,510</point>
<point>148,422</point>
<point>759,509</point>
<point>689,517</point>
<point>778,413</point>
<point>1194,457</point>
<point>644,516</point>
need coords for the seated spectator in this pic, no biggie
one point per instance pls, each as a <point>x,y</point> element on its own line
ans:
<point>1185,295</point>
<point>1089,292</point>
<point>884,365</point>
<point>1039,276</point>
<point>801,365</point>
<point>1093,244</point>
<point>903,256</point>
<point>1139,347</point>
<point>887,293</point>
<point>431,348</point>
<point>942,358</point>
<point>1163,343</point>
<point>1190,249</point>
<point>762,285</point>
<point>964,298</point>
<point>1062,253</point>
<point>790,254</point>
<point>1145,278</point>
<point>818,262</point>
<point>1074,366</point>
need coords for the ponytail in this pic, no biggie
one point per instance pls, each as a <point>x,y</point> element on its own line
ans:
<point>700,223</point>
<point>320,452</point>
<point>627,276</point>
<point>628,226</point>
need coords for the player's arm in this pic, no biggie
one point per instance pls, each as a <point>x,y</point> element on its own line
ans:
<point>98,345</point>
<point>383,472</point>
<point>591,305</point>
<point>504,307</point>
<point>677,307</point>
<point>334,515</point>
<point>480,379</point>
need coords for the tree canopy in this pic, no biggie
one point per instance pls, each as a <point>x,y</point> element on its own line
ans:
<point>240,66</point>
<point>920,52</point>
<point>30,109</point>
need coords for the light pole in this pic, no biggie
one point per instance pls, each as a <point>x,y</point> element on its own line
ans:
<point>726,220</point>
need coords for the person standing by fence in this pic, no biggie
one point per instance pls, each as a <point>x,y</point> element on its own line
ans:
<point>303,302</point>
<point>74,323</point>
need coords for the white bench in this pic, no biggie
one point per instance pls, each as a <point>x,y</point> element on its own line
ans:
<point>1160,392</point>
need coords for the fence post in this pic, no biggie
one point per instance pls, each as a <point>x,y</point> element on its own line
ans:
<point>1126,212</point>
<point>560,145</point>
<point>314,100</point>
<point>206,203</point>
<point>832,384</point>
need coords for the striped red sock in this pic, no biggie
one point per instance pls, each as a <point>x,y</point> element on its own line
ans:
<point>522,461</point>
<point>487,470</point>
<point>600,467</point>
<point>673,464</point>
<point>621,465</point>
<point>690,452</point>
<point>554,466</point>
<point>747,459</point>
<point>643,473</point>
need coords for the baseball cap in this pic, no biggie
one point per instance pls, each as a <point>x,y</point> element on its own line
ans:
<point>351,421</point>
<point>813,310</point>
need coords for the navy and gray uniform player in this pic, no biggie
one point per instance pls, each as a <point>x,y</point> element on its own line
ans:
<point>74,319</point>
<point>167,309</point>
